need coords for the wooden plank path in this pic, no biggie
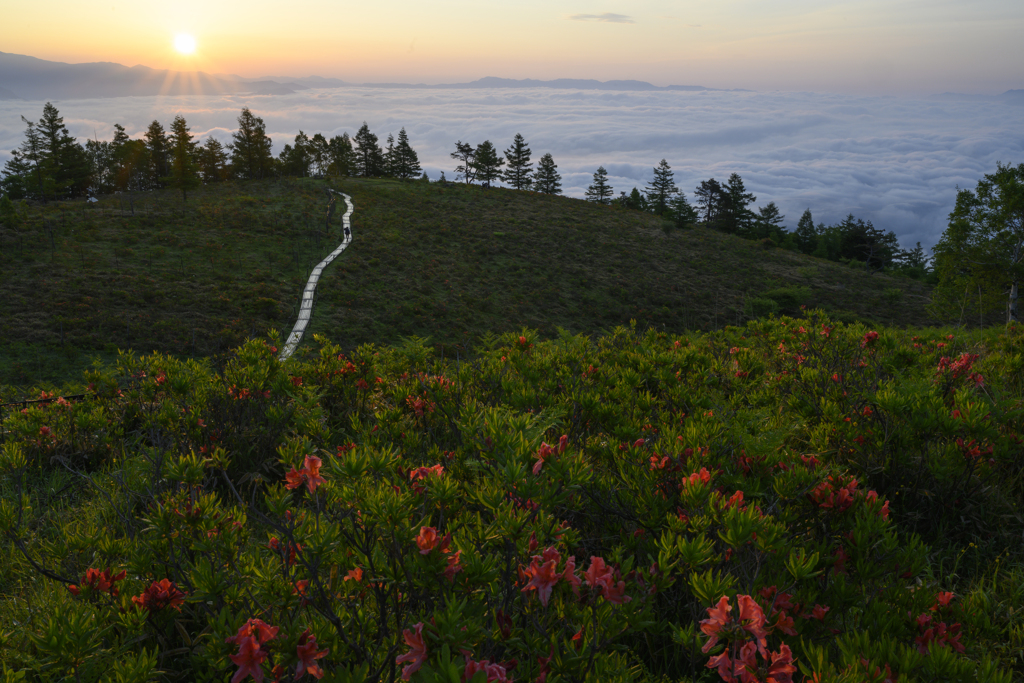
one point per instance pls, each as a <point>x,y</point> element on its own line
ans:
<point>306,308</point>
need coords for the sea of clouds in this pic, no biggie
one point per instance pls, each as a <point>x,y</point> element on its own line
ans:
<point>896,162</point>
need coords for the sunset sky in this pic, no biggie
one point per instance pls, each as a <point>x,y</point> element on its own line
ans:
<point>864,46</point>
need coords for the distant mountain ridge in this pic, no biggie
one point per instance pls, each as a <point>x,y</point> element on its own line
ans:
<point>30,78</point>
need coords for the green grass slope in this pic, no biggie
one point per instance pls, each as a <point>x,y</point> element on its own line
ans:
<point>449,263</point>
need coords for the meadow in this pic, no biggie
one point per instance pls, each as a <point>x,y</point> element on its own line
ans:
<point>193,279</point>
<point>529,439</point>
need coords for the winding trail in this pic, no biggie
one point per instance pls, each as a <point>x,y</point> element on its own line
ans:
<point>306,308</point>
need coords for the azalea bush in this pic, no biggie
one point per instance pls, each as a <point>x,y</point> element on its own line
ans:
<point>792,500</point>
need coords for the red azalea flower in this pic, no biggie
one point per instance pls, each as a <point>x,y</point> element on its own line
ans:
<point>159,595</point>
<point>308,654</point>
<point>543,578</point>
<point>417,653</point>
<point>781,669</point>
<point>257,629</point>
<point>249,660</point>
<point>718,618</point>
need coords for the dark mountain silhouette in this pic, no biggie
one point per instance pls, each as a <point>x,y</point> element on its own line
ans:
<point>31,78</point>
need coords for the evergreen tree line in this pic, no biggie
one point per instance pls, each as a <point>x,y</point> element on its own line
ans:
<point>50,164</point>
<point>729,207</point>
<point>483,164</point>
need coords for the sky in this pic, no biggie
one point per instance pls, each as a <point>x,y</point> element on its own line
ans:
<point>870,47</point>
<point>896,161</point>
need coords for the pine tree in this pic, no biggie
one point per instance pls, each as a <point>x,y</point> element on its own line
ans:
<point>23,172</point>
<point>296,160</point>
<point>342,156</point>
<point>487,162</point>
<point>709,196</point>
<point>769,223</point>
<point>319,155</point>
<point>600,191</point>
<point>251,149</point>
<point>661,189</point>
<point>465,154</point>
<point>184,170</point>
<point>518,174</point>
<point>390,161</point>
<point>736,217</point>
<point>684,215</point>
<point>547,180</point>
<point>213,159</point>
<point>368,155</point>
<point>407,162</point>
<point>65,163</point>
<point>806,235</point>
<point>158,146</point>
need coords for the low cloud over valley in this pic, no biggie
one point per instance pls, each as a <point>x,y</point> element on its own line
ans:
<point>894,161</point>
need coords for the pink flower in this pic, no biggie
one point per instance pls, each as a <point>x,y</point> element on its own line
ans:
<point>718,618</point>
<point>752,620</point>
<point>308,654</point>
<point>417,653</point>
<point>249,660</point>
<point>543,578</point>
<point>496,673</point>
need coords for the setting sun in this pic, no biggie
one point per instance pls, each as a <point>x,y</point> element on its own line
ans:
<point>184,43</point>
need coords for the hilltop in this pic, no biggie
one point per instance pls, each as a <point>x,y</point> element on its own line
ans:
<point>449,263</point>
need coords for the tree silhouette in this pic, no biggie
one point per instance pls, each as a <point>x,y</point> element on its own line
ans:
<point>661,189</point>
<point>547,179</point>
<point>518,174</point>
<point>600,191</point>
<point>184,170</point>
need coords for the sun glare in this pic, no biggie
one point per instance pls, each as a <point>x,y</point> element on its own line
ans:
<point>184,43</point>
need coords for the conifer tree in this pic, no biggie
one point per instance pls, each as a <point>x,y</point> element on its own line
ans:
<point>157,146</point>
<point>518,174</point>
<point>736,217</point>
<point>769,222</point>
<point>710,197</point>
<point>600,191</point>
<point>547,180</point>
<point>661,189</point>
<point>407,162</point>
<point>806,235</point>
<point>319,155</point>
<point>342,156</point>
<point>390,162</point>
<point>296,159</point>
<point>251,149</point>
<point>184,173</point>
<point>369,157</point>
<point>64,161</point>
<point>465,154</point>
<point>213,159</point>
<point>487,162</point>
<point>23,172</point>
<point>684,215</point>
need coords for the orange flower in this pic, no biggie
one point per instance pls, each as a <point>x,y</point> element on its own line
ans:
<point>453,567</point>
<point>160,594</point>
<point>543,578</point>
<point>427,539</point>
<point>752,620</point>
<point>308,654</point>
<point>257,629</point>
<point>781,669</point>
<point>417,653</point>
<point>354,575</point>
<point>718,618</point>
<point>308,475</point>
<point>249,660</point>
<point>101,581</point>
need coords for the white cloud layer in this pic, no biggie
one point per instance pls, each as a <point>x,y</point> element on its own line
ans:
<point>894,161</point>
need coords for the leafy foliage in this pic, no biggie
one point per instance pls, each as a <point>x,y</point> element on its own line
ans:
<point>794,495</point>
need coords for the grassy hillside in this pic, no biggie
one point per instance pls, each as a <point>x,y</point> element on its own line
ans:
<point>449,263</point>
